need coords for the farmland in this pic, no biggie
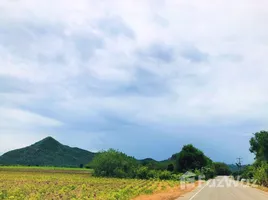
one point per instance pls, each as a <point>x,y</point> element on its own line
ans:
<point>46,169</point>
<point>34,185</point>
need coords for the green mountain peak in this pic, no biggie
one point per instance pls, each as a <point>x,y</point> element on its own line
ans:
<point>47,152</point>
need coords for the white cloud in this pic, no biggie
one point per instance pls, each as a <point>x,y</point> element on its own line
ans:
<point>215,28</point>
<point>74,66</point>
<point>19,118</point>
<point>10,140</point>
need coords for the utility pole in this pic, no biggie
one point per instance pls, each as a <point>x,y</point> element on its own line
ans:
<point>239,164</point>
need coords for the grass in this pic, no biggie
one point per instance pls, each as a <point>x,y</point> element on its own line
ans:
<point>44,184</point>
<point>45,169</point>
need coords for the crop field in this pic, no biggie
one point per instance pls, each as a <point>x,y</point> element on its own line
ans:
<point>46,169</point>
<point>21,185</point>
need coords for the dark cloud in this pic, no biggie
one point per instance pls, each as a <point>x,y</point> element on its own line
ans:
<point>16,38</point>
<point>195,55</point>
<point>145,83</point>
<point>159,52</point>
<point>9,84</point>
<point>87,44</point>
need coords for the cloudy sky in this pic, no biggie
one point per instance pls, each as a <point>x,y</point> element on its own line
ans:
<point>143,76</point>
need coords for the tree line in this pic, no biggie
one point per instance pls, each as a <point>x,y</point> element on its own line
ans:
<point>113,163</point>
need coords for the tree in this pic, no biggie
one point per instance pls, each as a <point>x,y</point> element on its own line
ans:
<point>222,169</point>
<point>191,158</point>
<point>113,163</point>
<point>259,146</point>
<point>170,167</point>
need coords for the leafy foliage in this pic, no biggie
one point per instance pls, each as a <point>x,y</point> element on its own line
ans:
<point>157,165</point>
<point>259,170</point>
<point>191,158</point>
<point>170,167</point>
<point>222,169</point>
<point>259,145</point>
<point>113,163</point>
<point>261,174</point>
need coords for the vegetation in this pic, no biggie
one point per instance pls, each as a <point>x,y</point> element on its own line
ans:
<point>64,186</point>
<point>261,174</point>
<point>221,169</point>
<point>47,152</point>
<point>259,146</point>
<point>40,182</point>
<point>191,158</point>
<point>234,168</point>
<point>259,170</point>
<point>46,169</point>
<point>157,165</point>
<point>113,163</point>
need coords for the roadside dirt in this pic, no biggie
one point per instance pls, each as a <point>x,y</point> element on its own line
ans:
<point>265,189</point>
<point>169,194</point>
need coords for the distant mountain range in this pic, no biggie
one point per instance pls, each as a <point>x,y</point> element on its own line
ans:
<point>47,152</point>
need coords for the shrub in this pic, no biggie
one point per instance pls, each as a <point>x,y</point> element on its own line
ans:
<point>176,177</point>
<point>153,174</point>
<point>261,174</point>
<point>165,175</point>
<point>142,173</point>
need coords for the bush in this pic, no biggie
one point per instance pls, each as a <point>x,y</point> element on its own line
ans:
<point>153,174</point>
<point>145,173</point>
<point>248,172</point>
<point>176,177</point>
<point>261,174</point>
<point>142,173</point>
<point>165,175</point>
<point>208,172</point>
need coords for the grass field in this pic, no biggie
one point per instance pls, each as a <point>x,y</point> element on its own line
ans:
<point>23,183</point>
<point>45,169</point>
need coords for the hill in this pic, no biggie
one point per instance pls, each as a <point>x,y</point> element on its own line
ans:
<point>158,165</point>
<point>234,167</point>
<point>47,152</point>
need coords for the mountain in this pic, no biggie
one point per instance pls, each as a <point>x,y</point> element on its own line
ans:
<point>47,152</point>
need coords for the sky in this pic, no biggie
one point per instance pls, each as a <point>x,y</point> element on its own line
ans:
<point>145,77</point>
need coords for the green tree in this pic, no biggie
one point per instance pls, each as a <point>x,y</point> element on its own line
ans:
<point>259,146</point>
<point>170,167</point>
<point>191,158</point>
<point>222,169</point>
<point>113,163</point>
